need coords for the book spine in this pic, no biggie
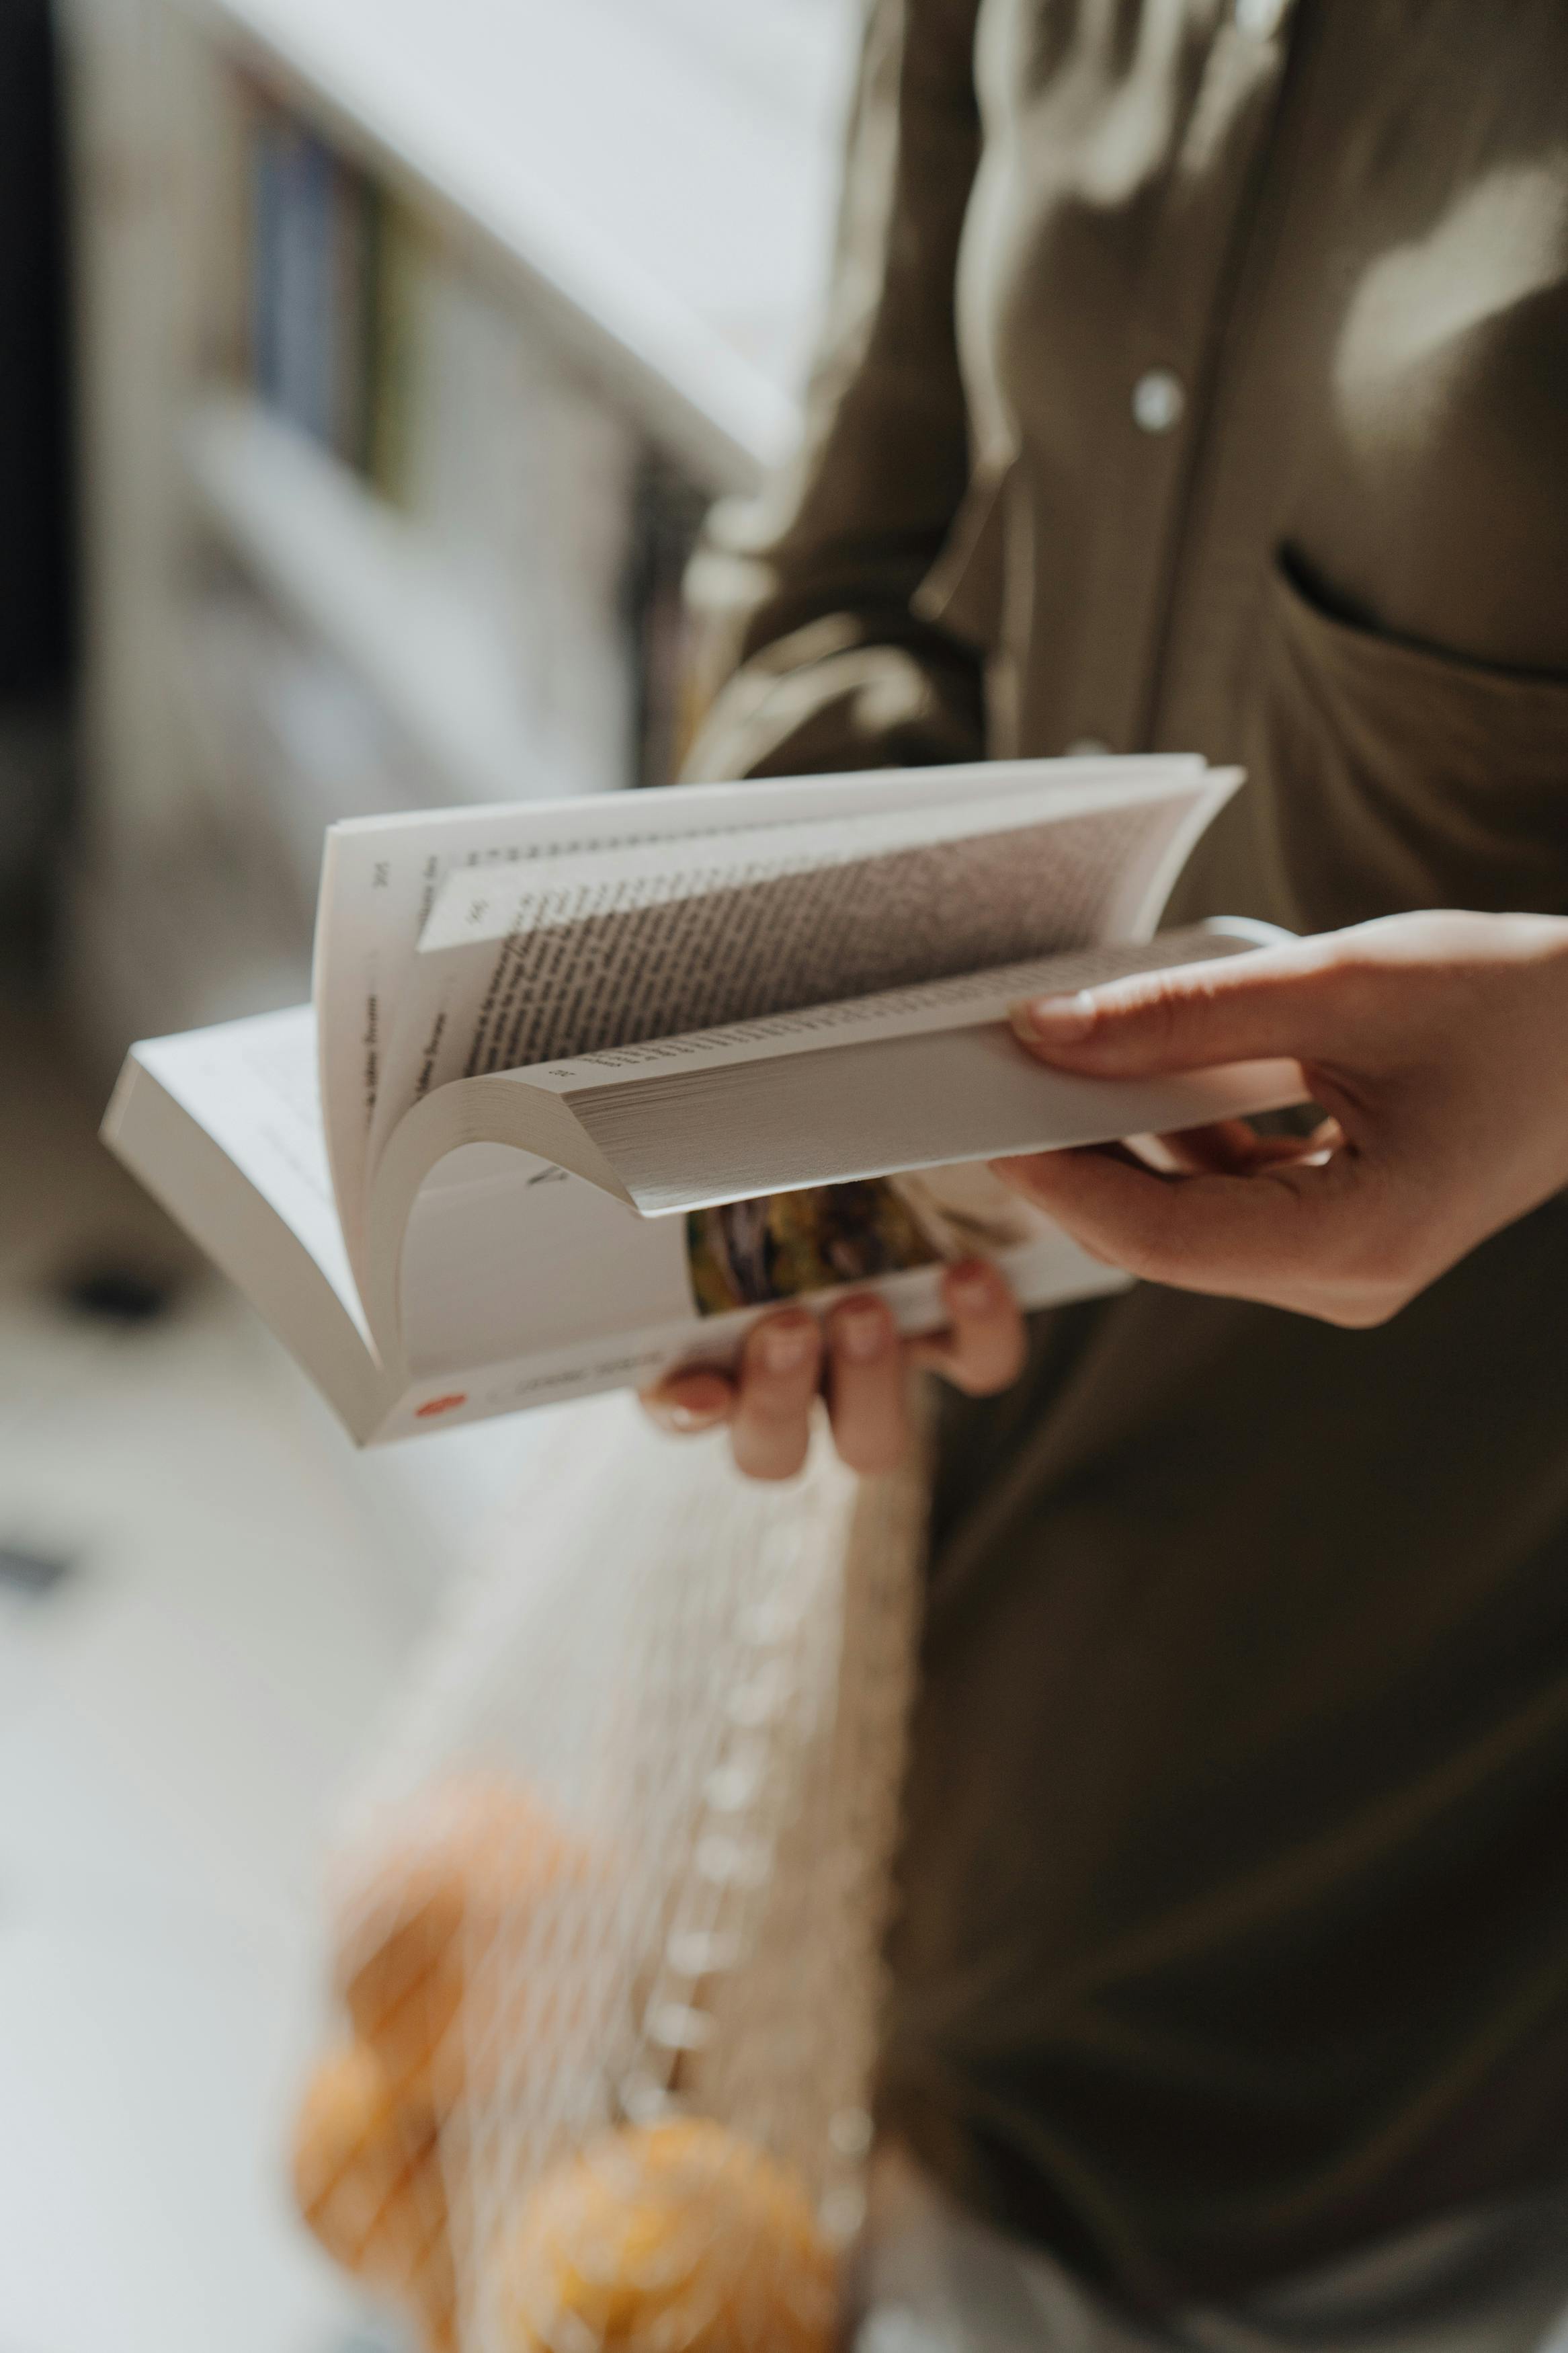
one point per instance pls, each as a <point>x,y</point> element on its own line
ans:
<point>293,325</point>
<point>265,201</point>
<point>349,296</point>
<point>297,315</point>
<point>318,331</point>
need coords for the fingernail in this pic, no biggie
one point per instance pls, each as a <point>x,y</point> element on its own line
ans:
<point>860,1333</point>
<point>787,1347</point>
<point>691,1417</point>
<point>1054,1021</point>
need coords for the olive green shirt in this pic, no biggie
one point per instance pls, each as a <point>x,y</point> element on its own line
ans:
<point>1197,378</point>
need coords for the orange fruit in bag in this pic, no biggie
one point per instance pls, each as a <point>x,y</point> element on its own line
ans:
<point>367,2179</point>
<point>678,2237</point>
<point>433,1919</point>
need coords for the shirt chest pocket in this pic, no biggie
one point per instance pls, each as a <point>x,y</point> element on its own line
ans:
<point>1437,494</point>
<point>1386,775</point>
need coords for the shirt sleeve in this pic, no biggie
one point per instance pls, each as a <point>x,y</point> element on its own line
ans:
<point>808,590</point>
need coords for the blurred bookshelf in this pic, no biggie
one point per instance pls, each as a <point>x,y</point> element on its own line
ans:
<point>418,336</point>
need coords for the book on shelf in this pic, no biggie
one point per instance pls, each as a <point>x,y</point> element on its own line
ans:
<point>585,1086</point>
<point>314,241</point>
<point>564,533</point>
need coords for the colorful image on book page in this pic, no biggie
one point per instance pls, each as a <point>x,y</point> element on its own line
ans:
<point>747,1254</point>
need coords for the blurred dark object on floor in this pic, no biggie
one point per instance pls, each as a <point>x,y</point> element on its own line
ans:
<point>32,1574</point>
<point>37,596</point>
<point>117,1295</point>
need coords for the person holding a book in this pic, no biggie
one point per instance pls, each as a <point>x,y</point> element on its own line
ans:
<point>1195,378</point>
<point>1436,1042</point>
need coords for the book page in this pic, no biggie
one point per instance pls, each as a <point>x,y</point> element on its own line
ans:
<point>856,1114</point>
<point>507,1255</point>
<point>966,1001</point>
<point>488,1328</point>
<point>483,1340</point>
<point>380,877</point>
<point>253,1086</point>
<point>611,948</point>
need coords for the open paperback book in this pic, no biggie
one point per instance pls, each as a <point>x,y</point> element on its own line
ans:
<point>587,1085</point>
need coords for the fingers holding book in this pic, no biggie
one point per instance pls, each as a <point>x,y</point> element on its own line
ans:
<point>982,1350</point>
<point>856,1361</point>
<point>866,1388</point>
<point>780,1367</point>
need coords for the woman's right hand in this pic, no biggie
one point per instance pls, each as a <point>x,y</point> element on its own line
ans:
<point>854,1359</point>
<point>1438,1043</point>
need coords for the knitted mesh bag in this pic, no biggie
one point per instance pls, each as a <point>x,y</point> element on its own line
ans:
<point>609,1906</point>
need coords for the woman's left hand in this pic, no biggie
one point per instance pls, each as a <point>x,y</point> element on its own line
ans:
<point>856,1360</point>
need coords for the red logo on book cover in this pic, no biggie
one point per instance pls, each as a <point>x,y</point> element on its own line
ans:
<point>440,1405</point>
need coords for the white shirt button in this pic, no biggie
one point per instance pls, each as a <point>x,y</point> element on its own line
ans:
<point>1158,400</point>
<point>1261,18</point>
